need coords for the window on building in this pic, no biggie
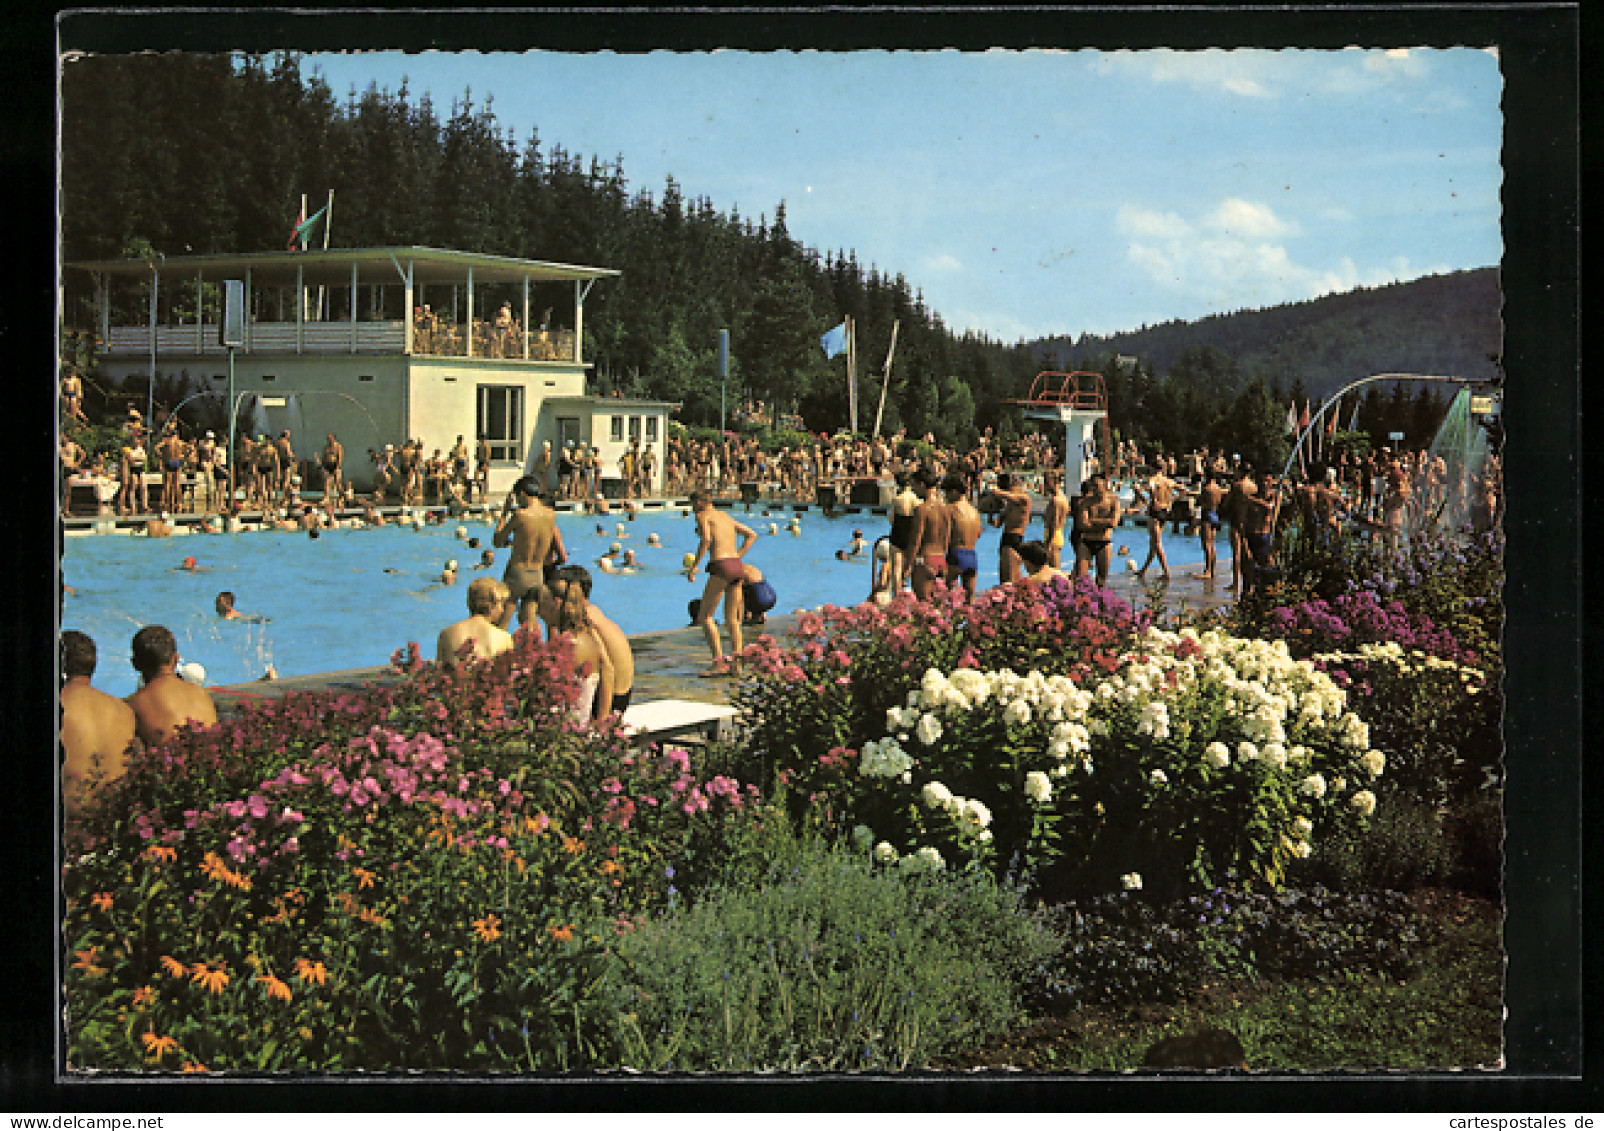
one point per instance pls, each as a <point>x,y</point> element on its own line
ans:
<point>651,429</point>
<point>501,420</point>
<point>634,428</point>
<point>615,432</point>
<point>269,377</point>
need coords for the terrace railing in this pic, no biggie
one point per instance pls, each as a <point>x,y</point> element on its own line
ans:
<point>338,337</point>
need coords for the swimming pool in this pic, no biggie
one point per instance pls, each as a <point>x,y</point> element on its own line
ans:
<point>332,606</point>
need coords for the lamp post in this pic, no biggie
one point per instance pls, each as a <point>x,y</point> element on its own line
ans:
<point>233,334</point>
<point>723,373</point>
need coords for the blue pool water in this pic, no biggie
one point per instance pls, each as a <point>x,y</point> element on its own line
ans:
<point>331,606</point>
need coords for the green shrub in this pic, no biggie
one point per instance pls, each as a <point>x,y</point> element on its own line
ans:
<point>832,967</point>
<point>1120,950</point>
<point>1404,847</point>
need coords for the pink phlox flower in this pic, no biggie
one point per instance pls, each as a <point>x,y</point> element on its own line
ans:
<point>613,785</point>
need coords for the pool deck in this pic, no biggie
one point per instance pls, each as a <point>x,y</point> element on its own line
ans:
<point>669,663</point>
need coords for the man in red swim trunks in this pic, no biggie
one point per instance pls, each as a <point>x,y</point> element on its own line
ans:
<point>932,529</point>
<point>725,570</point>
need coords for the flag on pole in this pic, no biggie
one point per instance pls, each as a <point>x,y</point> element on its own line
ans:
<point>1353,425</point>
<point>1331,425</point>
<point>1292,418</point>
<point>302,229</point>
<point>1303,417</point>
<point>835,340</point>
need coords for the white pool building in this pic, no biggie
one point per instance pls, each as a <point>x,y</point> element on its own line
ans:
<point>378,345</point>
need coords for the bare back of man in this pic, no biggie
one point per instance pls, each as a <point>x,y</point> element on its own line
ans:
<point>1209,499</point>
<point>963,535</point>
<point>1055,513</point>
<point>725,571</point>
<point>618,650</point>
<point>1160,495</point>
<point>96,731</point>
<point>932,531</point>
<point>166,702</point>
<point>529,526</point>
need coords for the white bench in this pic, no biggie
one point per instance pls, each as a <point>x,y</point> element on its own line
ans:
<point>661,719</point>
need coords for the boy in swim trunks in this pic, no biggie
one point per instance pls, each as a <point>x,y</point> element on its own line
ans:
<point>1208,501</point>
<point>1015,519</point>
<point>725,570</point>
<point>757,595</point>
<point>963,562</point>
<point>932,527</point>
<point>1054,515</point>
<point>529,525</point>
<point>333,459</point>
<point>902,508</point>
<point>1159,497</point>
<point>1099,515</point>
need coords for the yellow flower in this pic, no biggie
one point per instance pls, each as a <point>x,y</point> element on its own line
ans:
<point>142,996</point>
<point>573,846</point>
<point>275,988</point>
<point>608,867</point>
<point>173,966</point>
<point>487,929</point>
<point>214,981</point>
<point>308,971</point>
<point>562,934</point>
<point>158,1047</point>
<point>364,878</point>
<point>101,901</point>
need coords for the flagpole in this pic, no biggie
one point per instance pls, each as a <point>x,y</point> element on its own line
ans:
<point>852,382</point>
<point>302,297</point>
<point>328,217</point>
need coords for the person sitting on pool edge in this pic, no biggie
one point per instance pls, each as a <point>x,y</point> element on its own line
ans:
<point>1038,562</point>
<point>479,636</point>
<point>96,729</point>
<point>164,701</point>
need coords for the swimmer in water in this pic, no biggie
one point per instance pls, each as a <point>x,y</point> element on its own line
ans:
<point>653,540</point>
<point>487,558</point>
<point>189,565</point>
<point>448,575</point>
<point>226,610</point>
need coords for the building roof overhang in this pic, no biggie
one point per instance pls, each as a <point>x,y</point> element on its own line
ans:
<point>430,265</point>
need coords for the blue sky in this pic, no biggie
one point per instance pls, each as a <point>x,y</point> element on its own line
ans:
<point>1041,192</point>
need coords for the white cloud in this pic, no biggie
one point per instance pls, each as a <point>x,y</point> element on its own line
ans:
<point>1136,221</point>
<point>1248,219</point>
<point>942,264</point>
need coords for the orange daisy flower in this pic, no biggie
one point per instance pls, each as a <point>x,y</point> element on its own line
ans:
<point>161,854</point>
<point>368,915</point>
<point>307,971</point>
<point>572,845</point>
<point>101,901</point>
<point>487,929</point>
<point>85,959</point>
<point>173,966</point>
<point>214,981</point>
<point>158,1047</point>
<point>275,987</point>
<point>608,867</point>
<point>195,1066</point>
<point>562,934</point>
<point>364,878</point>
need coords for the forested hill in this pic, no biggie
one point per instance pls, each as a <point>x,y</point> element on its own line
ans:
<point>1442,324</point>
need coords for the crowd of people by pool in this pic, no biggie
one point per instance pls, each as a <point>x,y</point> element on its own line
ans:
<point>944,502</point>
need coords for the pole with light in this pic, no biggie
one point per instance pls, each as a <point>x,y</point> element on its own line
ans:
<point>233,335</point>
<point>723,373</point>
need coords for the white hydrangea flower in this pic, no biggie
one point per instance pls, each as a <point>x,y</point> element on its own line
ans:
<point>928,730</point>
<point>936,795</point>
<point>1060,771</point>
<point>1374,761</point>
<point>1158,777</point>
<point>1275,754</point>
<point>1339,784</point>
<point>1304,827</point>
<point>1364,801</point>
<point>1131,881</point>
<point>1017,712</point>
<point>883,758</point>
<point>974,813</point>
<point>1314,786</point>
<point>1217,755</point>
<point>1098,727</point>
<point>1247,752</point>
<point>1302,849</point>
<point>926,859</point>
<point>1298,756</point>
<point>884,853</point>
<point>1037,787</point>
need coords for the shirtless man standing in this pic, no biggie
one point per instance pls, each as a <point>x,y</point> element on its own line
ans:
<point>481,470</point>
<point>286,461</point>
<point>96,728</point>
<point>72,458</point>
<point>966,525</point>
<point>170,451</point>
<point>1015,520</point>
<point>459,462</point>
<point>72,394</point>
<point>333,461</point>
<point>1257,519</point>
<point>529,526</point>
<point>268,471</point>
<point>164,701</point>
<point>1208,524</point>
<point>932,531</point>
<point>407,470</point>
<point>725,570</point>
<point>1053,516</point>
<point>542,466</point>
<point>1159,497</point>
<point>486,599</point>
<point>1099,515</point>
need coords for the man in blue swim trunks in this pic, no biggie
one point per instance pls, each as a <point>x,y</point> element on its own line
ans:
<point>963,533</point>
<point>1208,499</point>
<point>758,595</point>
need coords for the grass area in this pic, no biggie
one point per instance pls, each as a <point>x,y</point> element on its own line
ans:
<point>1448,1016</point>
